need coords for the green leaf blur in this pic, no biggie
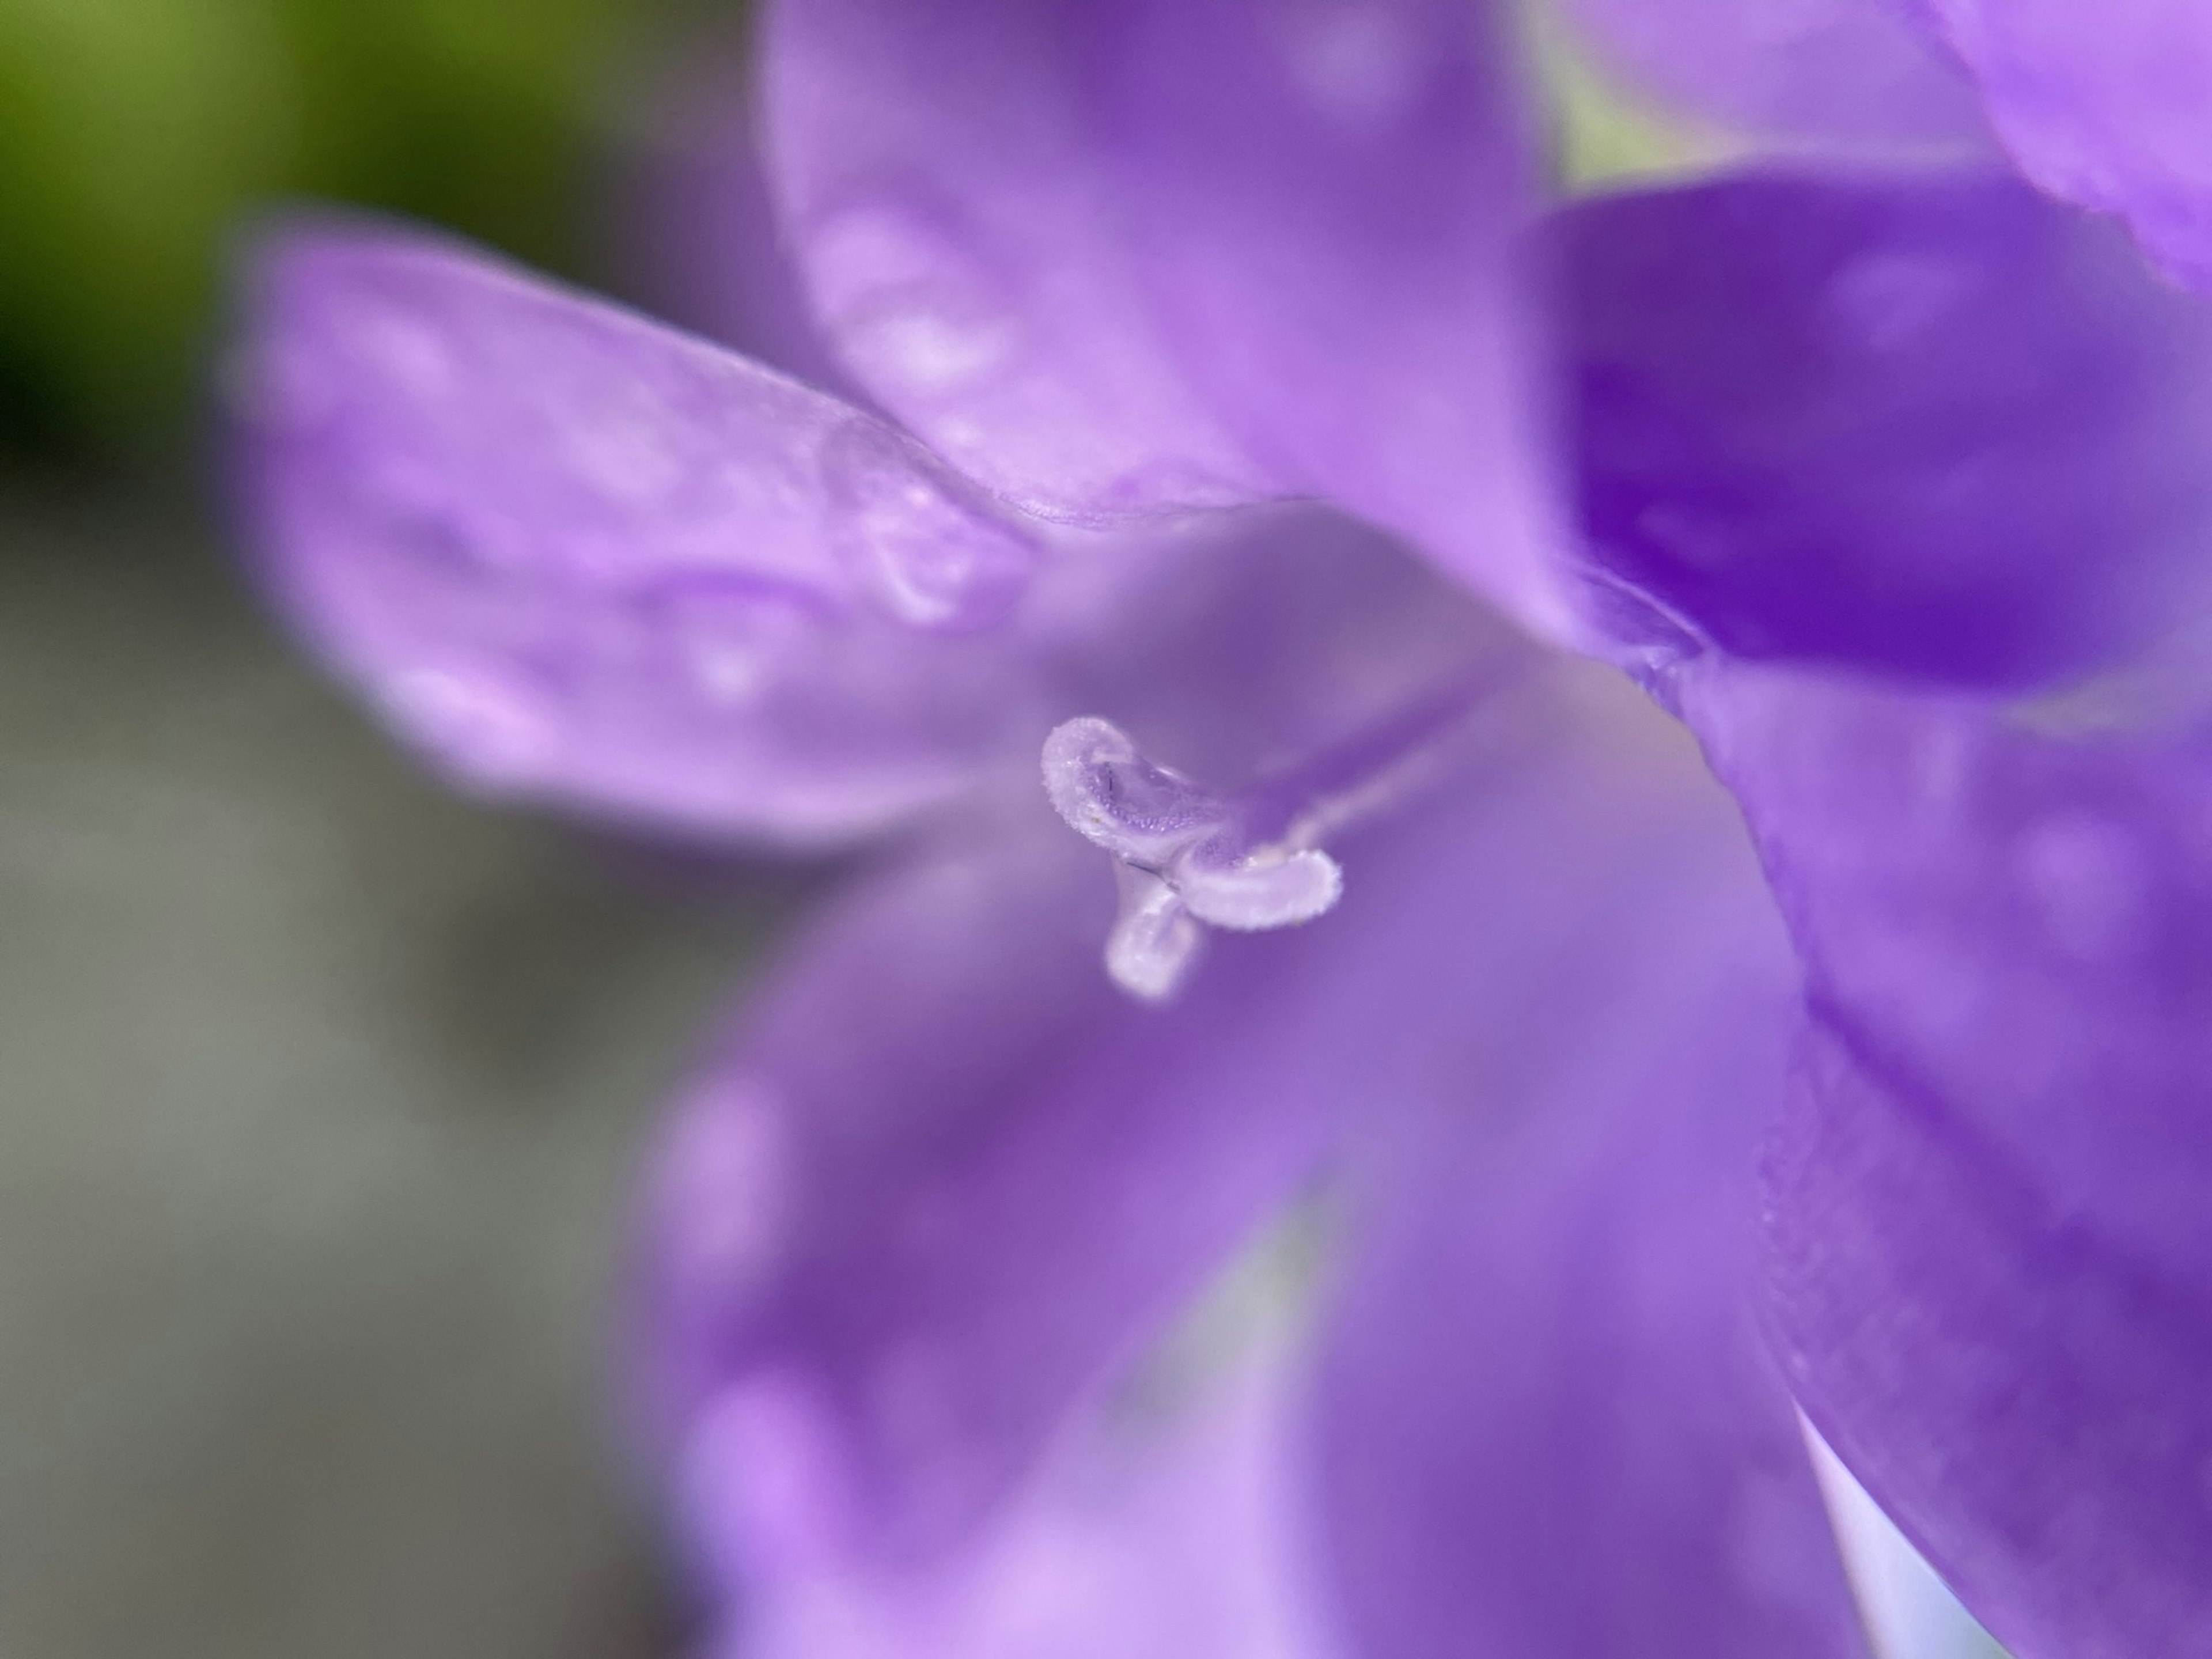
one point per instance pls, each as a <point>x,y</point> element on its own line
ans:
<point>135,135</point>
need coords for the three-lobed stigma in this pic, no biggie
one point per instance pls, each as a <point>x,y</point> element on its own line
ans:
<point>1186,857</point>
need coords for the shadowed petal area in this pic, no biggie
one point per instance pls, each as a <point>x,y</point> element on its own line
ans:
<point>1935,427</point>
<point>1548,1425</point>
<point>1834,74</point>
<point>1118,258</point>
<point>1327,196</point>
<point>577,556</point>
<point>1987,1210</point>
<point>2106,106</point>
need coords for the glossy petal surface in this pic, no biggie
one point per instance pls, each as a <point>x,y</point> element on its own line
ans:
<point>1987,1225</point>
<point>1116,259</point>
<point>577,556</point>
<point>2106,106</point>
<point>1832,74</point>
<point>1550,1427</point>
<point>1932,427</point>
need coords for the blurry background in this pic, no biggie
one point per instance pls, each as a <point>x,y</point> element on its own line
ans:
<point>318,1089</point>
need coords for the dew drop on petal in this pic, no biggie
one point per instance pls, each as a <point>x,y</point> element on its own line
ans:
<point>766,1473</point>
<point>913,306</point>
<point>487,728</point>
<point>1887,300</point>
<point>726,1189</point>
<point>2087,881</point>
<point>932,552</point>
<point>400,349</point>
<point>1358,66</point>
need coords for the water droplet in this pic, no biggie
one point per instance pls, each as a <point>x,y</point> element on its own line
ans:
<point>400,348</point>
<point>911,304</point>
<point>725,1192</point>
<point>766,1475</point>
<point>1358,64</point>
<point>929,549</point>
<point>487,728</point>
<point>2089,884</point>
<point>1890,300</point>
<point>737,644</point>
<point>623,447</point>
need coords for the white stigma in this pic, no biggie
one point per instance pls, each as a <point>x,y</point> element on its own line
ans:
<point>1186,857</point>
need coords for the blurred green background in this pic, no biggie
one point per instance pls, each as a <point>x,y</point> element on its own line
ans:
<point>135,134</point>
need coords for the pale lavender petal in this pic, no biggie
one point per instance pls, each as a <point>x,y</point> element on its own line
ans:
<point>1549,1424</point>
<point>2107,105</point>
<point>1119,258</point>
<point>1935,427</point>
<point>576,556</point>
<point>1989,1210</point>
<point>958,1195</point>
<point>1163,1526</point>
<point>1837,74</point>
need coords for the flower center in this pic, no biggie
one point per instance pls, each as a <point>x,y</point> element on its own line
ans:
<point>1188,858</point>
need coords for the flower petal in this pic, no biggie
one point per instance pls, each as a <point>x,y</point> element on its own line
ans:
<point>940,1183</point>
<point>1161,1526</point>
<point>577,556</point>
<point>953,215</point>
<point>2106,106</point>
<point>991,1189</point>
<point>1115,258</point>
<point>1935,427</point>
<point>1832,74</point>
<point>1548,1424</point>
<point>1329,197</point>
<point>1988,1211</point>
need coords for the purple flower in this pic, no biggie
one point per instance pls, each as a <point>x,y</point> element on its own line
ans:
<point>1171,326</point>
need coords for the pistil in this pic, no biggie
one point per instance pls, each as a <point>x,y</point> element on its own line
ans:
<point>1188,858</point>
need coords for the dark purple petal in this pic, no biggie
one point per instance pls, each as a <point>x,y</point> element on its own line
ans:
<point>1989,1210</point>
<point>1849,74</point>
<point>1938,428</point>
<point>577,556</point>
<point>1117,258</point>
<point>1549,1424</point>
<point>2109,106</point>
